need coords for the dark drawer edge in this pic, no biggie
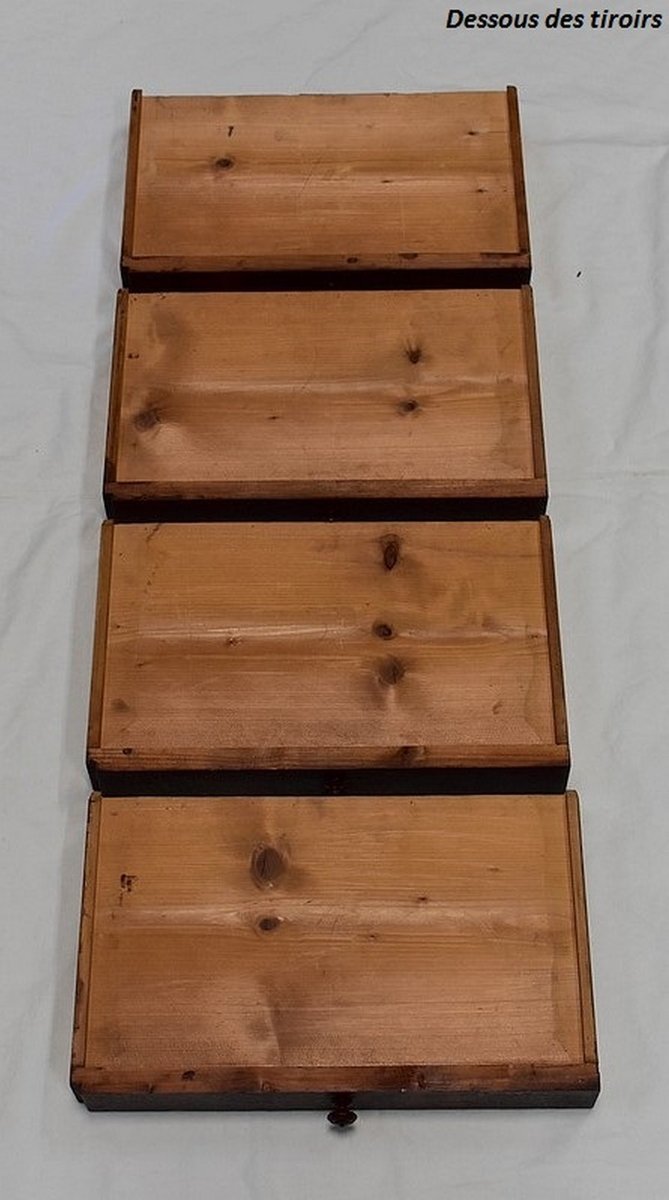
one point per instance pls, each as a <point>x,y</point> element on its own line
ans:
<point>502,508</point>
<point>406,781</point>
<point>319,280</point>
<point>584,1097</point>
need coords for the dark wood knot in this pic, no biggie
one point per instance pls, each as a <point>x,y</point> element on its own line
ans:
<point>409,754</point>
<point>408,406</point>
<point>147,419</point>
<point>391,551</point>
<point>383,630</point>
<point>267,865</point>
<point>413,352</point>
<point>391,671</point>
<point>268,924</point>
<point>224,163</point>
<point>342,1115</point>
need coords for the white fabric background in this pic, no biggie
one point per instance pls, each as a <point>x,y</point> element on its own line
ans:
<point>595,116</point>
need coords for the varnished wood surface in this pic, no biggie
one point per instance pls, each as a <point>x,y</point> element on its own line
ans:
<point>406,394</point>
<point>349,183</point>
<point>415,950</point>
<point>324,646</point>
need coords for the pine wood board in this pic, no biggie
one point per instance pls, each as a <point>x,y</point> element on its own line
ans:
<point>229,187</point>
<point>266,396</point>
<point>230,647</point>
<point>290,952</point>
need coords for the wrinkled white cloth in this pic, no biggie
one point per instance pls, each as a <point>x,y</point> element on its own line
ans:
<point>595,113</point>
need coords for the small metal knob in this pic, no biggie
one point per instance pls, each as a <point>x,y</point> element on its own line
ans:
<point>342,1115</point>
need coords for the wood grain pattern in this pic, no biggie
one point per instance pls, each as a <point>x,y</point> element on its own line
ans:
<point>417,950</point>
<point>243,184</point>
<point>378,395</point>
<point>322,646</point>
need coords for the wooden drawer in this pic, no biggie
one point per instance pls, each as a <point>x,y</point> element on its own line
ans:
<point>355,952</point>
<point>232,401</point>
<point>242,647</point>
<point>222,188</point>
